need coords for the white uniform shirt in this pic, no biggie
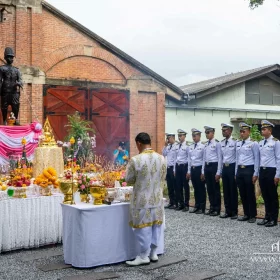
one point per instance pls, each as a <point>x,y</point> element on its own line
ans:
<point>195,155</point>
<point>228,150</point>
<point>213,153</point>
<point>182,151</point>
<point>270,154</point>
<point>170,153</point>
<point>247,153</point>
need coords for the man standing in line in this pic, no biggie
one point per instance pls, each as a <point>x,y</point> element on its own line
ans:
<point>169,151</point>
<point>247,171</point>
<point>146,172</point>
<point>182,183</point>
<point>269,174</point>
<point>195,162</point>
<point>211,170</point>
<point>228,146</point>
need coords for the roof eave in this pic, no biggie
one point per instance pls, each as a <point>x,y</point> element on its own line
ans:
<point>112,48</point>
<point>201,93</point>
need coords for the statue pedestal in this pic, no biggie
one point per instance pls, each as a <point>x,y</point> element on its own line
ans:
<point>45,157</point>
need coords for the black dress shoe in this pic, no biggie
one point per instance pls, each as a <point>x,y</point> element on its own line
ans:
<point>271,224</point>
<point>224,216</point>
<point>243,218</point>
<point>173,207</point>
<point>208,212</point>
<point>252,220</point>
<point>199,212</point>
<point>186,209</point>
<point>168,206</point>
<point>262,222</point>
<point>179,208</point>
<point>234,217</point>
<point>193,210</point>
<point>214,213</point>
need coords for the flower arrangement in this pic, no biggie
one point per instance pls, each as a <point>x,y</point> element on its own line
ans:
<point>47,178</point>
<point>83,184</point>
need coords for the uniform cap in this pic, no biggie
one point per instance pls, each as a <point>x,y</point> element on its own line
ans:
<point>195,131</point>
<point>243,125</point>
<point>9,52</point>
<point>266,123</point>
<point>181,131</point>
<point>170,134</point>
<point>121,143</point>
<point>209,128</point>
<point>226,125</point>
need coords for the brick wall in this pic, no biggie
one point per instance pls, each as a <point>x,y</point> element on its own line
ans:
<point>41,39</point>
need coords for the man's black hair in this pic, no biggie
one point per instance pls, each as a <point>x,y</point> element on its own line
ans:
<point>143,138</point>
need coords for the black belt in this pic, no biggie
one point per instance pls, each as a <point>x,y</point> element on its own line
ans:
<point>179,164</point>
<point>245,166</point>
<point>199,166</point>
<point>267,167</point>
<point>228,164</point>
<point>211,163</point>
<point>170,166</point>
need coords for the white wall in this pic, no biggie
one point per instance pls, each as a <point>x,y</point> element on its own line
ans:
<point>233,97</point>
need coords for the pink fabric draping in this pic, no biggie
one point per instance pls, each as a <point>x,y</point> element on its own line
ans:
<point>11,136</point>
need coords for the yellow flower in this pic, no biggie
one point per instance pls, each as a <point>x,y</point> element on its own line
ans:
<point>72,140</point>
<point>23,141</point>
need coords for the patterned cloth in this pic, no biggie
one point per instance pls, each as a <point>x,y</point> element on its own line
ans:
<point>146,172</point>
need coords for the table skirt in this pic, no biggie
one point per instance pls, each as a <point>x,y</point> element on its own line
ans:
<point>30,222</point>
<point>99,235</point>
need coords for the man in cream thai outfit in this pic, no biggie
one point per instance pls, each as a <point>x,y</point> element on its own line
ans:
<point>146,172</point>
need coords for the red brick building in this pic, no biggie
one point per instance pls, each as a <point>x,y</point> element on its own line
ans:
<point>68,68</point>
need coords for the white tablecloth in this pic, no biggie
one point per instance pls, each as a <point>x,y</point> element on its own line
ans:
<point>98,235</point>
<point>30,222</point>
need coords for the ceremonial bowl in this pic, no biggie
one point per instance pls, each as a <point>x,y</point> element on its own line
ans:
<point>84,197</point>
<point>98,194</point>
<point>66,189</point>
<point>45,191</point>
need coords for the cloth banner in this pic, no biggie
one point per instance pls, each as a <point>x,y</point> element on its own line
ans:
<point>11,137</point>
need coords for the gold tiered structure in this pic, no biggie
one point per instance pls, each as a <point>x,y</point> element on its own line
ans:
<point>48,154</point>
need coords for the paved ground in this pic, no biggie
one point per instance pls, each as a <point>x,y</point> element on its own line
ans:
<point>206,242</point>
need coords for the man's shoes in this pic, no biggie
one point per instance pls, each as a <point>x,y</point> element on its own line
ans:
<point>168,206</point>
<point>208,212</point>
<point>173,207</point>
<point>199,211</point>
<point>193,210</point>
<point>139,261</point>
<point>186,209</point>
<point>234,217</point>
<point>153,256</point>
<point>271,224</point>
<point>243,218</point>
<point>224,216</point>
<point>179,208</point>
<point>263,222</point>
<point>214,213</point>
<point>252,220</point>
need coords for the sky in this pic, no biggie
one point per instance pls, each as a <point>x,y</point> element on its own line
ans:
<point>185,41</point>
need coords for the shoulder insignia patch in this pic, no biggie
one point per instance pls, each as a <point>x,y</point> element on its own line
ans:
<point>217,140</point>
<point>223,140</point>
<point>275,139</point>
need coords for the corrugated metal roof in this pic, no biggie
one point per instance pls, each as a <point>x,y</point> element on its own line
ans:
<point>212,83</point>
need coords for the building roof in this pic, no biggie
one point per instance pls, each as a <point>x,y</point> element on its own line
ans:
<point>111,47</point>
<point>213,85</point>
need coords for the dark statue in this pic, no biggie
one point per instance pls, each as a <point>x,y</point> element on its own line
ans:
<point>10,84</point>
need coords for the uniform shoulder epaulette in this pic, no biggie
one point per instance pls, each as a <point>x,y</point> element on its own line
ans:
<point>234,139</point>
<point>204,142</point>
<point>275,139</point>
<point>217,140</point>
<point>223,139</point>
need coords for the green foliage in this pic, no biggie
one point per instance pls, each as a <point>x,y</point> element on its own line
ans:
<point>255,134</point>
<point>259,201</point>
<point>79,129</point>
<point>255,3</point>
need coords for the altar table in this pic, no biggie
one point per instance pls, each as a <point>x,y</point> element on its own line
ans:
<point>30,222</point>
<point>98,235</point>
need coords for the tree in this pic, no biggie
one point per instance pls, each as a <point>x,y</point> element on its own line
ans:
<point>255,3</point>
